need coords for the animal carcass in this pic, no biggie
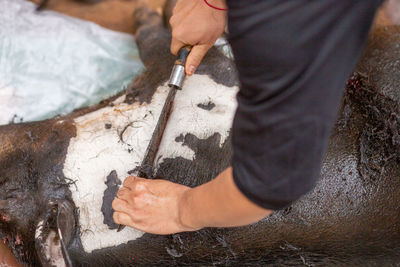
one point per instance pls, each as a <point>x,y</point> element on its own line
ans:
<point>59,176</point>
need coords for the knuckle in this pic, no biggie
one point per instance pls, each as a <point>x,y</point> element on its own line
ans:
<point>178,33</point>
<point>121,192</point>
<point>137,221</point>
<point>129,180</point>
<point>140,186</point>
<point>138,213</point>
<point>131,217</point>
<point>138,200</point>
<point>172,21</point>
<point>196,61</point>
<point>196,58</point>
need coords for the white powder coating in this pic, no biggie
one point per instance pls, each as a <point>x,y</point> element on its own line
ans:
<point>187,117</point>
<point>96,151</point>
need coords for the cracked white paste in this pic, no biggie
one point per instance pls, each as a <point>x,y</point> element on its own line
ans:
<point>187,117</point>
<point>96,151</point>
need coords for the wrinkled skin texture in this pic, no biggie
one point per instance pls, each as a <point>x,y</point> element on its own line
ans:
<point>137,200</point>
<point>352,217</point>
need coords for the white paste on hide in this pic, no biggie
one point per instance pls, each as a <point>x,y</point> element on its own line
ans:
<point>187,117</point>
<point>96,151</point>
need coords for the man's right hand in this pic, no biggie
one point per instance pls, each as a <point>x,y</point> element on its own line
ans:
<point>195,23</point>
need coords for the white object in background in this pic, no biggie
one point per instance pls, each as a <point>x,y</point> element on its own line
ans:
<point>55,63</point>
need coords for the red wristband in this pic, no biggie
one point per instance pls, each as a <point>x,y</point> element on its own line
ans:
<point>217,8</point>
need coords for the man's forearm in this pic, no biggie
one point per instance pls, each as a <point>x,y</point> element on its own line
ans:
<point>163,207</point>
<point>218,203</point>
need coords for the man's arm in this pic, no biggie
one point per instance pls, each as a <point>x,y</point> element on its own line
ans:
<point>163,207</point>
<point>219,203</point>
<point>289,96</point>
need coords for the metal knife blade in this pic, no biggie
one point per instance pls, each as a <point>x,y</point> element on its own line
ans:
<point>175,83</point>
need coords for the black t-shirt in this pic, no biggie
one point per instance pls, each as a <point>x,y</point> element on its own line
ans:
<point>294,58</point>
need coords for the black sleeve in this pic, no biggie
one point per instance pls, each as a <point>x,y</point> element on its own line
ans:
<point>293,59</point>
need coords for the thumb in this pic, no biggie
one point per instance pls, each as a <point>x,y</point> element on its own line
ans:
<point>195,57</point>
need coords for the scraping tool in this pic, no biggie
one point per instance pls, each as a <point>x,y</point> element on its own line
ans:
<point>175,83</point>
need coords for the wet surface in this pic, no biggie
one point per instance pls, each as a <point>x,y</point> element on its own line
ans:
<point>352,217</point>
<point>31,160</point>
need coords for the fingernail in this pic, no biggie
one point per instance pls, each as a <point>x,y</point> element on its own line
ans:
<point>192,69</point>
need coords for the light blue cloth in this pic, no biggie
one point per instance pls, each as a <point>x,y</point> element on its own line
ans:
<point>52,64</point>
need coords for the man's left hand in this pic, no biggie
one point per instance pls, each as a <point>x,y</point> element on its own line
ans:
<point>151,206</point>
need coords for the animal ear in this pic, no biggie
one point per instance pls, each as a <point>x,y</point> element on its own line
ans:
<point>54,232</point>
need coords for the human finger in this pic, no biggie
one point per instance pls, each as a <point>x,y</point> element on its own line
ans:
<point>176,45</point>
<point>129,182</point>
<point>122,218</point>
<point>195,57</point>
<point>120,205</point>
<point>123,193</point>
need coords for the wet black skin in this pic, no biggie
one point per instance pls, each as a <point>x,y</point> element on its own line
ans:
<point>352,217</point>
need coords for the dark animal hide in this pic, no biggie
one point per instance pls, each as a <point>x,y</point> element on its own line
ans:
<point>352,217</point>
